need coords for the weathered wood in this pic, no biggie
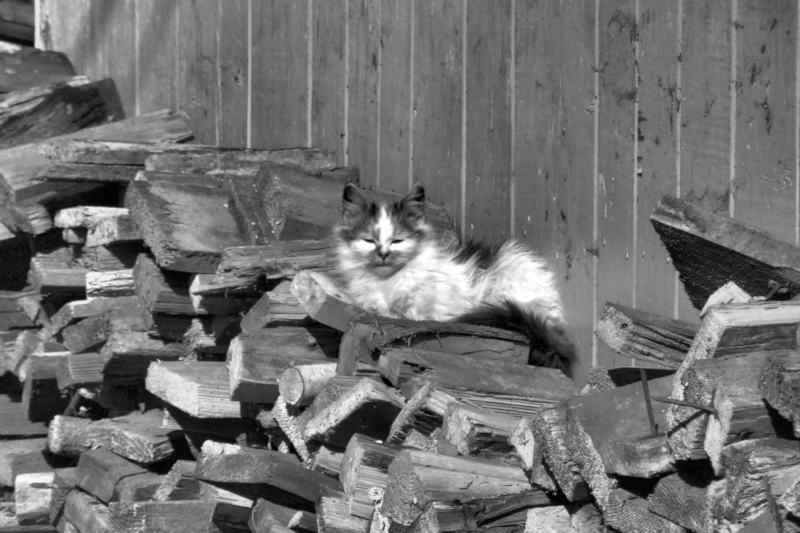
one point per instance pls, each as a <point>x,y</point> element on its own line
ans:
<point>31,67</point>
<point>18,21</point>
<point>86,513</point>
<point>187,227</point>
<point>688,497</point>
<point>118,256</point>
<point>368,335</point>
<point>729,330</point>
<point>86,334</point>
<point>730,293</point>
<point>13,422</point>
<point>708,250</point>
<point>23,456</point>
<point>114,229</point>
<point>791,498</point>
<point>779,384</point>
<point>181,516</point>
<point>368,408</point>
<point>334,516</point>
<point>418,478</point>
<point>245,161</point>
<point>255,466</point>
<point>530,455</point>
<point>548,520</point>
<point>646,458</point>
<point>365,465</point>
<point>161,291</point>
<point>480,432</point>
<point>423,413</point>
<point>323,301</point>
<point>57,273</point>
<point>86,216</point>
<point>64,481</point>
<point>645,336</point>
<point>268,515</point>
<point>200,389</point>
<point>226,429</point>
<point>99,471</point>
<point>74,235</point>
<point>32,497</point>
<point>245,264</point>
<point>299,385</point>
<point>627,512</point>
<point>525,387</point>
<point>220,299</point>
<point>109,284</point>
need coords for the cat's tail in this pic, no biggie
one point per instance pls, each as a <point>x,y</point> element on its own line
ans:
<point>550,345</point>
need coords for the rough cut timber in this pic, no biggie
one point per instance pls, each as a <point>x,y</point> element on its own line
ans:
<point>246,264</point>
<point>245,162</point>
<point>368,408</point>
<point>19,165</point>
<point>86,216</point>
<point>531,458</point>
<point>645,336</point>
<point>481,432</point>
<point>627,512</point>
<point>180,516</point>
<point>109,284</point>
<point>365,465</point>
<point>418,478</point>
<point>423,413</point>
<point>58,273</point>
<point>780,385</point>
<point>368,335</point>
<point>13,422</point>
<point>31,67</point>
<point>113,230</point>
<point>515,389</point>
<point>688,497</point>
<point>32,497</point>
<point>709,250</point>
<point>86,513</point>
<point>200,389</point>
<point>186,226</point>
<point>323,301</point>
<point>99,471</point>
<point>604,378</point>
<point>42,112</point>
<point>758,472</point>
<point>161,291</point>
<point>22,456</point>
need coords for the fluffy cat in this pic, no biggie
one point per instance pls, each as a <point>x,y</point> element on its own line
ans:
<point>391,263</point>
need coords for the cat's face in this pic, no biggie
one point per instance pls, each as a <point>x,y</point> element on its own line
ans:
<point>382,238</point>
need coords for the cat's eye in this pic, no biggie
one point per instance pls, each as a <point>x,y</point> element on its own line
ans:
<point>371,241</point>
<point>396,241</point>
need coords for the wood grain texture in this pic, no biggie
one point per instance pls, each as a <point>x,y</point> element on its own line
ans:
<point>437,101</point>
<point>279,84</point>
<point>233,73</point>
<point>395,98</point>
<point>113,42</point>
<point>552,162</point>
<point>158,55</point>
<point>329,83</point>
<point>765,180</point>
<point>657,134</point>
<point>615,165</point>
<point>488,104</point>
<point>363,87</point>
<point>197,75</point>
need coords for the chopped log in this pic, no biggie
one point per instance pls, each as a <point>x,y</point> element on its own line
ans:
<point>85,216</point>
<point>529,452</point>
<point>333,516</point>
<point>423,412</point>
<point>688,497</point>
<point>730,293</point>
<point>57,273</point>
<point>85,334</point>
<point>729,330</point>
<point>200,389</point>
<point>365,465</point>
<point>115,229</point>
<point>161,291</point>
<point>255,466</point>
<point>648,337</point>
<point>32,497</point>
<point>418,478</point>
<point>86,513</point>
<point>245,264</point>
<point>64,481</point>
<point>548,520</point>
<point>186,226</point>
<point>521,388</point>
<point>31,67</point>
<point>109,284</point>
<point>221,300</point>
<point>182,516</point>
<point>628,513</point>
<point>709,250</point>
<point>47,111</point>
<point>791,498</point>
<point>549,444</point>
<point>758,472</point>
<point>100,470</point>
<point>299,385</point>
<point>614,415</point>
<point>19,165</point>
<point>368,335</point>
<point>779,384</point>
<point>76,310</point>
<point>368,408</point>
<point>323,301</point>
<point>481,432</point>
<point>645,458</point>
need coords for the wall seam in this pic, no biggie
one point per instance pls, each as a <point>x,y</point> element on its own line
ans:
<point>463,217</point>
<point>678,121</point>
<point>595,167</point>
<point>218,110</point>
<point>379,82</point>
<point>346,130</point>
<point>411,113</point>
<point>513,106</point>
<point>732,175</point>
<point>249,137</point>
<point>309,69</point>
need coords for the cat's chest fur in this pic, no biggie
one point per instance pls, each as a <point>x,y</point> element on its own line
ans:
<point>431,286</point>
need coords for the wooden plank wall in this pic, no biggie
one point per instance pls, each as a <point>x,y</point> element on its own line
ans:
<point>559,124</point>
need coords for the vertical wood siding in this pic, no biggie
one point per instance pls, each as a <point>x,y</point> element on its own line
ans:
<point>560,123</point>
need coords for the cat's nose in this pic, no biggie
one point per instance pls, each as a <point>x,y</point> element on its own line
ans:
<point>383,253</point>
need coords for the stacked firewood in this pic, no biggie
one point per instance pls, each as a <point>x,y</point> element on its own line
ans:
<point>180,361</point>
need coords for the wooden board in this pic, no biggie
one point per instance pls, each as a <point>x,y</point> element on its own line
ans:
<point>113,42</point>
<point>157,41</point>
<point>329,76</point>
<point>487,189</point>
<point>31,67</point>
<point>279,79</point>
<point>233,74</point>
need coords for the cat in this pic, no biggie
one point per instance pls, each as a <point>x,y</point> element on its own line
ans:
<point>391,262</point>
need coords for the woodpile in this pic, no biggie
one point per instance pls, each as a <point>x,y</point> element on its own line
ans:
<point>178,360</point>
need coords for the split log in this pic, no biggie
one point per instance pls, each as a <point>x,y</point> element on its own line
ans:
<point>779,384</point>
<point>648,337</point>
<point>160,290</point>
<point>368,408</point>
<point>628,513</point>
<point>109,284</point>
<point>186,226</point>
<point>268,517</point>
<point>33,497</point>
<point>299,385</point>
<point>365,465</point>
<point>115,229</point>
<point>276,307</point>
<point>333,516</point>
<point>688,497</point>
<point>729,330</point>
<point>200,389</point>
<point>57,273</point>
<point>138,437</point>
<point>73,311</point>
<point>246,264</point>
<point>99,471</point>
<point>481,432</point>
<point>31,67</point>
<point>423,413</point>
<point>323,301</point>
<point>86,216</point>
<point>86,513</point>
<point>418,478</point>
<point>255,466</point>
<point>709,250</point>
<point>220,299</point>
<point>548,520</point>
<point>368,335</point>
<point>509,388</point>
<point>181,516</point>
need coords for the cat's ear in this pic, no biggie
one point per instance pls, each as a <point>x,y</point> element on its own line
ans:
<point>413,203</point>
<point>353,203</point>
